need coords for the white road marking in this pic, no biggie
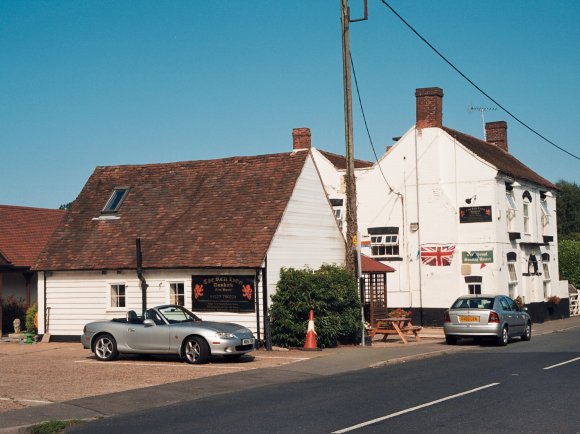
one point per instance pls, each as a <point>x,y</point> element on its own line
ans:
<point>278,357</point>
<point>26,400</point>
<point>399,413</point>
<point>560,364</point>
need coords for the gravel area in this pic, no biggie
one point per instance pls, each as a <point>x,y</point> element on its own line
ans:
<point>42,373</point>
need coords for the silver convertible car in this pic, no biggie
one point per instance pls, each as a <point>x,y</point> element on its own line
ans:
<point>168,329</point>
<point>479,316</point>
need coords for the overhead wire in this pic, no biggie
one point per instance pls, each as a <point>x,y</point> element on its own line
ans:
<point>366,124</point>
<point>475,85</point>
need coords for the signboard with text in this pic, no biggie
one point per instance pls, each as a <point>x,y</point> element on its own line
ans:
<point>474,214</point>
<point>477,257</point>
<point>223,293</point>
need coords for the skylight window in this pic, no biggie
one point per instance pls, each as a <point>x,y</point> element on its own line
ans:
<point>116,199</point>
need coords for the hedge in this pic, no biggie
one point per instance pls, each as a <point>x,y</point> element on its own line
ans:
<point>331,292</point>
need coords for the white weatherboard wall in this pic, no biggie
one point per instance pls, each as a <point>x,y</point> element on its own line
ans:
<point>76,298</point>
<point>308,234</point>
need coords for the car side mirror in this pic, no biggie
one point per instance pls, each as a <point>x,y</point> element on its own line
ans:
<point>148,323</point>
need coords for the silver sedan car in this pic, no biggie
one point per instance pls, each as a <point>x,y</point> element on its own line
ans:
<point>168,329</point>
<point>477,316</point>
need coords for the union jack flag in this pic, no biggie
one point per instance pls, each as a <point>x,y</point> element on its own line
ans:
<point>437,255</point>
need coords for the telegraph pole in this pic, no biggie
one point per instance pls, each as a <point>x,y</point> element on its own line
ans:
<point>350,181</point>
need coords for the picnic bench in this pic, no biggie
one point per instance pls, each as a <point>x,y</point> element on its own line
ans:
<point>401,327</point>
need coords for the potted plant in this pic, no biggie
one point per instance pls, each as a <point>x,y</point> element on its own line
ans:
<point>399,313</point>
<point>31,322</point>
<point>553,299</point>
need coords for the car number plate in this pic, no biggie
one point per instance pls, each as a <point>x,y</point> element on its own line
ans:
<point>468,318</point>
<point>247,341</point>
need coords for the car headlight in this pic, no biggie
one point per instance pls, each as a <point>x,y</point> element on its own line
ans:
<point>225,335</point>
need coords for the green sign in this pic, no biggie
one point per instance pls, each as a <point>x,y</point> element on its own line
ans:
<point>477,257</point>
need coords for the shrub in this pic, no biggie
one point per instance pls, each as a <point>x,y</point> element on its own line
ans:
<point>31,313</point>
<point>331,292</point>
<point>12,308</point>
<point>569,258</point>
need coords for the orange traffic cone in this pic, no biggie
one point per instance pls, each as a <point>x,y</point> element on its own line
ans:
<point>310,343</point>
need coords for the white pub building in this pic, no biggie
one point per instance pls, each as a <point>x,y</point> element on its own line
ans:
<point>455,215</point>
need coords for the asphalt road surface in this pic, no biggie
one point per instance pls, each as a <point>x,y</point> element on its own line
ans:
<point>531,387</point>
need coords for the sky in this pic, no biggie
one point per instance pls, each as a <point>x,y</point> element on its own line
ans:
<point>112,82</point>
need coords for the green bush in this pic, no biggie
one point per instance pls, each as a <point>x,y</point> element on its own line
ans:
<point>30,314</point>
<point>569,260</point>
<point>12,308</point>
<point>331,292</point>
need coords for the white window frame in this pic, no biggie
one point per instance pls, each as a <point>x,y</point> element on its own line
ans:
<point>546,269</point>
<point>171,298</point>
<point>111,298</point>
<point>512,207</point>
<point>546,213</point>
<point>386,241</point>
<point>526,214</point>
<point>474,288</point>
<point>512,279</point>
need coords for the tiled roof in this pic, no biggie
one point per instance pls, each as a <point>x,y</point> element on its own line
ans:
<point>339,161</point>
<point>24,232</point>
<point>502,160</point>
<point>215,213</point>
<point>370,265</point>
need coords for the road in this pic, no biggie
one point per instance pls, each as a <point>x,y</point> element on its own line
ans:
<point>524,387</point>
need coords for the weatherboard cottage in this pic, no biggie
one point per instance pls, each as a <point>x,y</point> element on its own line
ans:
<point>213,236</point>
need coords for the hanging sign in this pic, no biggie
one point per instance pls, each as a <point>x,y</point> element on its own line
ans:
<point>477,257</point>
<point>223,293</point>
<point>474,214</point>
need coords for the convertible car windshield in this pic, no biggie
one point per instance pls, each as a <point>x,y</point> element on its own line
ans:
<point>172,314</point>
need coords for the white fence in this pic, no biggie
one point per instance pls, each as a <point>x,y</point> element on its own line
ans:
<point>574,305</point>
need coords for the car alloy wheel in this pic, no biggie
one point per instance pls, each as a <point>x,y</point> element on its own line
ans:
<point>527,332</point>
<point>106,348</point>
<point>503,340</point>
<point>196,350</point>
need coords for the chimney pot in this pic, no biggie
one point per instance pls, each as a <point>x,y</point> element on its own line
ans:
<point>429,107</point>
<point>496,134</point>
<point>301,138</point>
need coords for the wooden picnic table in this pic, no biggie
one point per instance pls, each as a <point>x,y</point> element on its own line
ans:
<point>401,327</point>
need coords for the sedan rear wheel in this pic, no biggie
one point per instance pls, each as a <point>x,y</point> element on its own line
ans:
<point>527,332</point>
<point>451,340</point>
<point>503,339</point>
<point>196,350</point>
<point>106,348</point>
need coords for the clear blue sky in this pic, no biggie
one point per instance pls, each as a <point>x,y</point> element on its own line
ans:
<point>107,82</point>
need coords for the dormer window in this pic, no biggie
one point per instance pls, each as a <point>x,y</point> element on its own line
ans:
<point>116,199</point>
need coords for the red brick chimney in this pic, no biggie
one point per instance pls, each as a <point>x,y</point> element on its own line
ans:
<point>429,107</point>
<point>301,138</point>
<point>496,134</point>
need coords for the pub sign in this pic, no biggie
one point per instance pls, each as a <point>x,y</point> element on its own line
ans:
<point>223,293</point>
<point>474,214</point>
<point>477,257</point>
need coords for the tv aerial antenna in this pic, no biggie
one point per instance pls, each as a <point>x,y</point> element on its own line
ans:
<point>482,110</point>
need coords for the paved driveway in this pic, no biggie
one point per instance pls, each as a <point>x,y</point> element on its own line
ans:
<point>37,374</point>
